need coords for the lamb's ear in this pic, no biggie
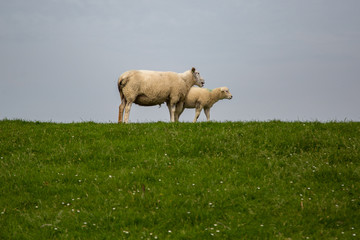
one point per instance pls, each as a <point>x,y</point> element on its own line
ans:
<point>223,89</point>
<point>193,70</point>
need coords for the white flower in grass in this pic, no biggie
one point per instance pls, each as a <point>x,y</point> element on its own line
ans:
<point>169,231</point>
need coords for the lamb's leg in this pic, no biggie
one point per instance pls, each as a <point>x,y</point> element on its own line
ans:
<point>197,113</point>
<point>127,112</point>
<point>207,113</point>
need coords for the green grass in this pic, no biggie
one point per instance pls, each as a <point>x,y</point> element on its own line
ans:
<point>232,180</point>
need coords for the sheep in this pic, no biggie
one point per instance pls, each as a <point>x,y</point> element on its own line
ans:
<point>149,88</point>
<point>202,98</point>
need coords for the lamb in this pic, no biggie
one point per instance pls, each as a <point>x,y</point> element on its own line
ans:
<point>149,88</point>
<point>201,98</point>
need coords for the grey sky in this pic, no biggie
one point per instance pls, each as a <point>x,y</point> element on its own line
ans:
<point>281,59</point>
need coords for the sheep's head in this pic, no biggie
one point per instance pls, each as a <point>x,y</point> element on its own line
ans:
<point>225,93</point>
<point>199,81</point>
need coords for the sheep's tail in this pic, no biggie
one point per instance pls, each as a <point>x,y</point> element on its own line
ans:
<point>122,81</point>
<point>119,83</point>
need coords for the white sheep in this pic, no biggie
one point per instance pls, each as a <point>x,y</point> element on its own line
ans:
<point>149,88</point>
<point>202,98</point>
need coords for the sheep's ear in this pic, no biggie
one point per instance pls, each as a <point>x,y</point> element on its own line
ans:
<point>193,70</point>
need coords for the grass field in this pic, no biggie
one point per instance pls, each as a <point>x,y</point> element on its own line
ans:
<point>232,180</point>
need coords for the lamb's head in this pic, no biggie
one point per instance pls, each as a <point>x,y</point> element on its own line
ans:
<point>199,81</point>
<point>225,93</point>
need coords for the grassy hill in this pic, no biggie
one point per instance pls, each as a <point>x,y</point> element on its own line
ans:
<point>233,180</point>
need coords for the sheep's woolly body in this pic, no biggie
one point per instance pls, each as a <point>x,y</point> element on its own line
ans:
<point>200,98</point>
<point>149,88</point>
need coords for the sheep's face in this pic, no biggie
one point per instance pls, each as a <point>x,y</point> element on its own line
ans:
<point>226,93</point>
<point>199,81</point>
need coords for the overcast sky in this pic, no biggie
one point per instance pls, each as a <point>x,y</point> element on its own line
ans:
<point>281,59</point>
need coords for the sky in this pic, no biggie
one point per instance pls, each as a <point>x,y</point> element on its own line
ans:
<point>289,60</point>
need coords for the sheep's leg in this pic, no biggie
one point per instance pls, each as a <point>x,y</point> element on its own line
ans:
<point>172,112</point>
<point>179,110</point>
<point>207,113</point>
<point>169,107</point>
<point>127,112</point>
<point>172,109</point>
<point>197,113</point>
<point>121,111</point>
